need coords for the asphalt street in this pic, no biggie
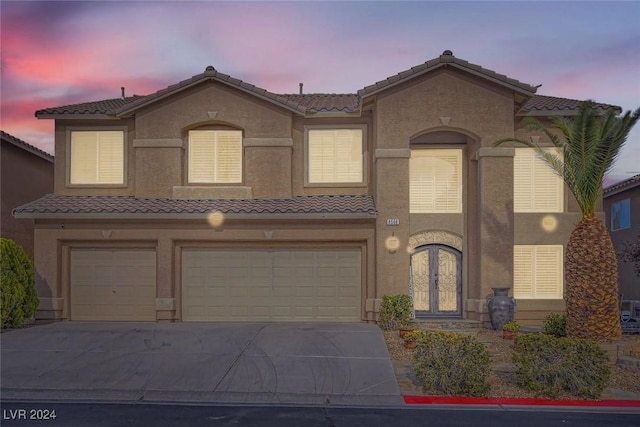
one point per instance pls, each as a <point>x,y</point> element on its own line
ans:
<point>130,415</point>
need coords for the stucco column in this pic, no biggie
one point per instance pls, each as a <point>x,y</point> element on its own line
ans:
<point>165,292</point>
<point>392,203</point>
<point>47,274</point>
<point>496,231</point>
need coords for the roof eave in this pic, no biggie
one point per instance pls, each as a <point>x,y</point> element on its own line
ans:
<point>76,116</point>
<point>620,187</point>
<point>194,216</point>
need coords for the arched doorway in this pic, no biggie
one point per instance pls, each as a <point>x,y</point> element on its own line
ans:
<point>436,281</point>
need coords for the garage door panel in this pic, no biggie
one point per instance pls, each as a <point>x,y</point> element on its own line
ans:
<point>113,284</point>
<point>272,285</point>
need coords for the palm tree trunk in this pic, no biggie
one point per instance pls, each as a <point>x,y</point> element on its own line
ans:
<point>591,280</point>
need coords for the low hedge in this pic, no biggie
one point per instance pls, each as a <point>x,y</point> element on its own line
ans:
<point>452,364</point>
<point>395,311</point>
<point>18,296</point>
<point>547,365</point>
<point>555,324</point>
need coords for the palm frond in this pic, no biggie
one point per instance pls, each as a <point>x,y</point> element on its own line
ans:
<point>589,146</point>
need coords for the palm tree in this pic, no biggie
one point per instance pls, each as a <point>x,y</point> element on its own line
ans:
<point>592,141</point>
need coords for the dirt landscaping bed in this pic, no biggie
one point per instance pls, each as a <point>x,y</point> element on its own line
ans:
<point>624,384</point>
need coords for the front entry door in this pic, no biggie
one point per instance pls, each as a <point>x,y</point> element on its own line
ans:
<point>436,281</point>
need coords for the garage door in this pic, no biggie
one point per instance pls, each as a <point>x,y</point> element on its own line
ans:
<point>113,284</point>
<point>279,285</point>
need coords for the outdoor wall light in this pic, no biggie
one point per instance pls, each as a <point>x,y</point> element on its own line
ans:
<point>392,243</point>
<point>549,223</point>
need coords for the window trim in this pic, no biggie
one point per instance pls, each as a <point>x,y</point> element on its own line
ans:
<point>563,203</point>
<point>125,155</point>
<point>628,200</point>
<point>189,183</point>
<point>533,265</point>
<point>365,156</point>
<point>461,156</point>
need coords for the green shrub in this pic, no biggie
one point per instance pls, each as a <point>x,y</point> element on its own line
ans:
<point>547,365</point>
<point>511,327</point>
<point>395,311</point>
<point>555,324</point>
<point>18,296</point>
<point>452,364</point>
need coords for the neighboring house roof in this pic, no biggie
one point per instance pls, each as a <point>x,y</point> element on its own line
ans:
<point>621,186</point>
<point>321,102</point>
<point>447,60</point>
<point>338,206</point>
<point>27,147</point>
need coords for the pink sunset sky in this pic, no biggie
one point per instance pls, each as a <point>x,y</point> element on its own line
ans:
<point>56,53</point>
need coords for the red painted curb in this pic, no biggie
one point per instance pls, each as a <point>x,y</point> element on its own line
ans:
<point>454,400</point>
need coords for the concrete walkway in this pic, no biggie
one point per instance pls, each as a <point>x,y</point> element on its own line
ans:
<point>291,363</point>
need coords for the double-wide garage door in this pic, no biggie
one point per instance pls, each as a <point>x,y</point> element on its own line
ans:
<point>113,284</point>
<point>278,285</point>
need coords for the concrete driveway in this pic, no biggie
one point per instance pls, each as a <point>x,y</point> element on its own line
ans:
<point>291,363</point>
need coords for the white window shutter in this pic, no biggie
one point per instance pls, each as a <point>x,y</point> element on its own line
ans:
<point>97,157</point>
<point>435,181</point>
<point>335,156</point>
<point>537,188</point>
<point>110,157</point>
<point>215,156</point>
<point>537,271</point>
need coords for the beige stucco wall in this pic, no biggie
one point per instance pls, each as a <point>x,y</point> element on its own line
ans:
<point>480,113</point>
<point>54,240</point>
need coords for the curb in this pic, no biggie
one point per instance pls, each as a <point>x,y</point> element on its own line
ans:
<point>447,400</point>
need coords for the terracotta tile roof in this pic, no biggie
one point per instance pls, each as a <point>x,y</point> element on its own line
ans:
<point>358,206</point>
<point>552,103</point>
<point>327,102</point>
<point>321,102</point>
<point>106,106</point>
<point>25,146</point>
<point>446,59</point>
<point>627,184</point>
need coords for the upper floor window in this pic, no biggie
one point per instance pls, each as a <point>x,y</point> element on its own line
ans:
<point>621,215</point>
<point>536,187</point>
<point>97,157</point>
<point>435,181</point>
<point>537,271</point>
<point>215,156</point>
<point>335,156</point>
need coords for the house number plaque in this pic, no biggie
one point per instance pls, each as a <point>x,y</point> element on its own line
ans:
<point>393,221</point>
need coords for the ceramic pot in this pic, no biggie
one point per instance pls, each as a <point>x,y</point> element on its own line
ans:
<point>501,307</point>
<point>509,335</point>
<point>410,344</point>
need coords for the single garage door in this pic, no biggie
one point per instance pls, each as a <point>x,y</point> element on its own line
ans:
<point>113,284</point>
<point>279,285</point>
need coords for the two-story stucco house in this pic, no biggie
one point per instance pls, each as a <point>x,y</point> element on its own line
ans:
<point>215,200</point>
<point>621,205</point>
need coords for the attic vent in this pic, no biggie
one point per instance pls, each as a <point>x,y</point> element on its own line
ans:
<point>447,53</point>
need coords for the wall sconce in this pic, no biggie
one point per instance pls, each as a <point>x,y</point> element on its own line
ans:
<point>392,243</point>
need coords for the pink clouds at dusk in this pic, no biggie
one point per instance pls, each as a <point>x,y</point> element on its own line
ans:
<point>57,53</point>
